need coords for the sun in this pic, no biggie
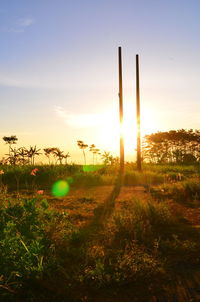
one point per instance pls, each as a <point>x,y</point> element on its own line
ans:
<point>110,130</point>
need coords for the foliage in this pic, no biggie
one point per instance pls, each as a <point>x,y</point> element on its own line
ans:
<point>23,243</point>
<point>95,151</point>
<point>176,146</point>
<point>27,250</point>
<point>108,159</point>
<point>186,191</point>
<point>135,245</point>
<point>57,154</point>
<point>22,156</point>
<point>145,178</point>
<point>82,146</point>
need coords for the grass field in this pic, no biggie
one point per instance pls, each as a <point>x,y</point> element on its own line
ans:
<point>101,242</point>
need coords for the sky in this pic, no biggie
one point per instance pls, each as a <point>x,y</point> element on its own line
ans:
<point>59,70</point>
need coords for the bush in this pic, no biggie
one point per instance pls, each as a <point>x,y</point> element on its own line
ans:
<point>127,249</point>
<point>26,249</point>
<point>145,178</point>
<point>186,191</point>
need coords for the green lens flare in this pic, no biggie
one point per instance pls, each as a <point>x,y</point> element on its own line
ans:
<point>60,188</point>
<point>91,168</point>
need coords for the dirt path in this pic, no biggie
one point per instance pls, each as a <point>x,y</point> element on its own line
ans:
<point>190,214</point>
<point>81,203</point>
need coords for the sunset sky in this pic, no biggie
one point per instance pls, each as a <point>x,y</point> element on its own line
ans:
<point>59,72</point>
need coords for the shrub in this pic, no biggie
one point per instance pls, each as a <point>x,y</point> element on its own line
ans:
<point>26,249</point>
<point>145,178</point>
<point>186,191</point>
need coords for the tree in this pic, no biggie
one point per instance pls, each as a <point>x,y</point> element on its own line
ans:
<point>31,153</point>
<point>106,157</point>
<point>66,156</point>
<point>96,152</point>
<point>23,155</point>
<point>82,146</point>
<point>10,140</point>
<point>92,147</point>
<point>13,156</point>
<point>109,159</point>
<point>47,153</point>
<point>178,146</point>
<point>59,154</point>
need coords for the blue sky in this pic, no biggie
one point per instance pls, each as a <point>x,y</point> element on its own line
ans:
<point>58,69</point>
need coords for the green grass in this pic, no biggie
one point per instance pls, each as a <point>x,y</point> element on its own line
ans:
<point>184,192</point>
<point>44,255</point>
<point>185,169</point>
<point>136,245</point>
<point>19,177</point>
<point>144,178</point>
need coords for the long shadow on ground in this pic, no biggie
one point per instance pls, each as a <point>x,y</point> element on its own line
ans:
<point>101,215</point>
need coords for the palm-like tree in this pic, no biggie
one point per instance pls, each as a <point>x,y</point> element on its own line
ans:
<point>47,153</point>
<point>96,152</point>
<point>82,146</point>
<point>59,154</point>
<point>31,153</point>
<point>106,157</point>
<point>92,148</point>
<point>23,155</point>
<point>66,156</point>
<point>10,140</point>
<point>13,156</point>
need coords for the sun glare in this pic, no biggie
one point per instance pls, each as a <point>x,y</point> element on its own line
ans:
<point>111,129</point>
<point>106,129</point>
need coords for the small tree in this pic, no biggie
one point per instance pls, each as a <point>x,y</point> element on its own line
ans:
<point>13,156</point>
<point>31,153</point>
<point>23,155</point>
<point>106,157</point>
<point>82,146</point>
<point>59,154</point>
<point>96,152</point>
<point>47,153</point>
<point>92,147</point>
<point>66,156</point>
<point>10,140</point>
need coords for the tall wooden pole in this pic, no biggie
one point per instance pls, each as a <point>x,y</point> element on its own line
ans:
<point>139,165</point>
<point>121,113</point>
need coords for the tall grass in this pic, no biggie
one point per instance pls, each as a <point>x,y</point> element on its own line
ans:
<point>186,191</point>
<point>19,177</point>
<point>42,252</point>
<point>144,178</point>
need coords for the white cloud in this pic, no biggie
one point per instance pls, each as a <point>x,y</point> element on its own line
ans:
<point>25,22</point>
<point>20,25</point>
<point>80,120</point>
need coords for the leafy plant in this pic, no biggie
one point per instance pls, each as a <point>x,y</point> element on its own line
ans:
<point>82,146</point>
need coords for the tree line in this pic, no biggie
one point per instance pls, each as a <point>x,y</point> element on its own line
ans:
<point>26,156</point>
<point>174,146</point>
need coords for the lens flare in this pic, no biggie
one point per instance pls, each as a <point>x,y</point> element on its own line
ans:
<point>60,188</point>
<point>91,168</point>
